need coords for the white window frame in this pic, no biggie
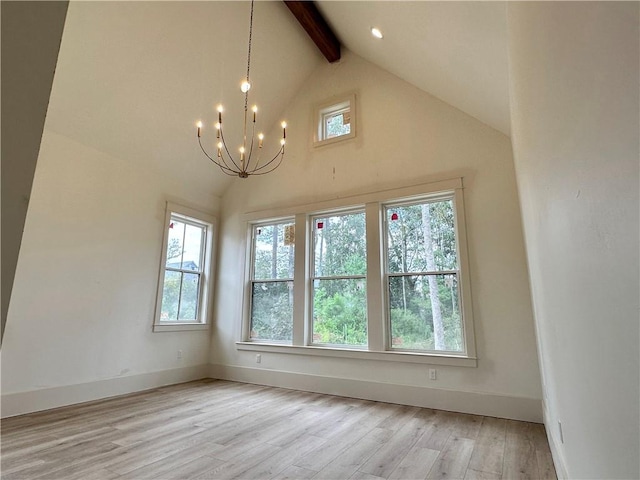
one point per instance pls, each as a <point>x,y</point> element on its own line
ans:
<point>208,223</point>
<point>336,105</point>
<point>251,275</point>
<point>387,274</point>
<point>312,275</point>
<point>377,312</point>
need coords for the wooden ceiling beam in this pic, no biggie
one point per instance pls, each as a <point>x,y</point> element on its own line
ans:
<point>316,27</point>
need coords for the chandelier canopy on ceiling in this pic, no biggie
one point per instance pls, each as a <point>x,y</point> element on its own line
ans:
<point>246,163</point>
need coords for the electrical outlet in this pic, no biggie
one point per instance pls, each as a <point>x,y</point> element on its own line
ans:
<point>433,374</point>
<point>258,358</point>
<point>179,355</point>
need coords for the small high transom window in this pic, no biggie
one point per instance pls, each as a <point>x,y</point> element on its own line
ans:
<point>335,120</point>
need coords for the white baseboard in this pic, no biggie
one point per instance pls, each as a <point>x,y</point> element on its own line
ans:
<point>13,404</point>
<point>556,453</point>
<point>516,408</point>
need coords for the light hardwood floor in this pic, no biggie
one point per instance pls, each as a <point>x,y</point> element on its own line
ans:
<point>217,429</point>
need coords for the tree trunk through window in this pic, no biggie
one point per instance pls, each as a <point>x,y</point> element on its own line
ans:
<point>438,327</point>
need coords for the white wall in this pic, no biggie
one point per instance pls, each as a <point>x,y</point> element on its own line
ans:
<point>574,89</point>
<point>85,288</point>
<point>405,137</point>
<point>31,34</point>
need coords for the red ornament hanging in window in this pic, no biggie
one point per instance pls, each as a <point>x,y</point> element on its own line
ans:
<point>171,225</point>
<point>394,216</point>
<point>320,225</point>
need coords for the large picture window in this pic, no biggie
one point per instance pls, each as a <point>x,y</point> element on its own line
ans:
<point>272,282</point>
<point>382,275</point>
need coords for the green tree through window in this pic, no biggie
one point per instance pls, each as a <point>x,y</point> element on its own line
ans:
<point>339,281</point>
<point>422,270</point>
<point>379,272</point>
<point>272,283</point>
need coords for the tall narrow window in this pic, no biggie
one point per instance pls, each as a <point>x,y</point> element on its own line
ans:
<point>185,280</point>
<point>272,282</point>
<point>339,279</point>
<point>423,277</point>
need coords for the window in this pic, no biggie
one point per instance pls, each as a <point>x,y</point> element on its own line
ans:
<point>335,120</point>
<point>422,276</point>
<point>336,123</point>
<point>184,287</point>
<point>339,279</point>
<point>381,276</point>
<point>272,282</point>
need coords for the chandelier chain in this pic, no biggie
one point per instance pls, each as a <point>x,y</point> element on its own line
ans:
<point>247,164</point>
<point>246,95</point>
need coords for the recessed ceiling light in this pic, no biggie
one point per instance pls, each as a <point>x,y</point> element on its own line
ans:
<point>376,32</point>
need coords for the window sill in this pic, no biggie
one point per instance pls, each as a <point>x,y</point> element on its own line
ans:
<point>332,140</point>
<point>388,356</point>
<point>179,327</point>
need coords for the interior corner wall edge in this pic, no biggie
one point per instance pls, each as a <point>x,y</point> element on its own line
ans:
<point>574,75</point>
<point>31,35</point>
<point>437,142</point>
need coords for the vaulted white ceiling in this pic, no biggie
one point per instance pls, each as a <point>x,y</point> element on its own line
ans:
<point>134,77</point>
<point>456,51</point>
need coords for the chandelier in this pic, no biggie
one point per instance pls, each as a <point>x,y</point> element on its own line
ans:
<point>246,163</point>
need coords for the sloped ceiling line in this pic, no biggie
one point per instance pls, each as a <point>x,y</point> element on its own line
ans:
<point>317,28</point>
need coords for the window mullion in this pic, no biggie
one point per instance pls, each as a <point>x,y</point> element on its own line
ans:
<point>300,295</point>
<point>375,298</point>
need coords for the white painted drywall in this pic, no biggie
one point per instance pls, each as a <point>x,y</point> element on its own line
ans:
<point>31,34</point>
<point>85,287</point>
<point>574,93</point>
<point>405,137</point>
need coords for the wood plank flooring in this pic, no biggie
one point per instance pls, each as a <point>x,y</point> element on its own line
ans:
<point>214,429</point>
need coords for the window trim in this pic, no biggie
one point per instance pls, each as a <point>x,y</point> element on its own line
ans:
<point>198,218</point>
<point>384,206</point>
<point>378,337</point>
<point>335,105</point>
<point>250,273</point>
<point>355,209</point>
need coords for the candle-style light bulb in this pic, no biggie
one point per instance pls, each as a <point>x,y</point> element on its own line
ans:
<point>260,139</point>
<point>284,130</point>
<point>218,130</point>
<point>220,109</point>
<point>255,110</point>
<point>242,154</point>
<point>219,149</point>
<point>245,86</point>
<point>199,125</point>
